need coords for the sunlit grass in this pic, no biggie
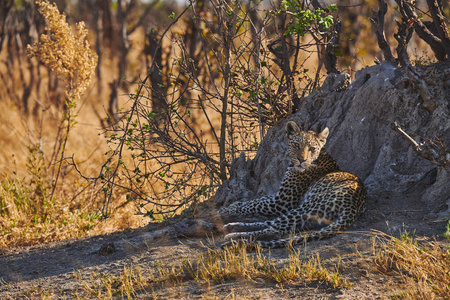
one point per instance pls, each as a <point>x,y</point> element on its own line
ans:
<point>424,267</point>
<point>29,216</point>
<point>447,230</point>
<point>217,266</point>
<point>235,262</point>
<point>126,285</point>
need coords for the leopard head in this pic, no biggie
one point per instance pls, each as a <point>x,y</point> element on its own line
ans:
<point>304,146</point>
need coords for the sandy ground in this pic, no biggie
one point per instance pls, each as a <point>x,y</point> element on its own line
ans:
<point>58,270</point>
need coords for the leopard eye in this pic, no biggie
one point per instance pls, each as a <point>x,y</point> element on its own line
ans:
<point>297,145</point>
<point>313,149</point>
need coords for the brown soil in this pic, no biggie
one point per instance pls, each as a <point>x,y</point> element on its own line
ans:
<point>58,270</point>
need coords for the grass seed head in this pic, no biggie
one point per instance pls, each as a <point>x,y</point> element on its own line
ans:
<point>65,52</point>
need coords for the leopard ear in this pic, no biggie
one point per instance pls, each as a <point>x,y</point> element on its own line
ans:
<point>323,136</point>
<point>291,128</point>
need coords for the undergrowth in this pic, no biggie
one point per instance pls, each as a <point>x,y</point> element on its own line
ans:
<point>28,215</point>
<point>46,202</point>
<point>424,267</point>
<point>31,210</point>
<point>447,230</point>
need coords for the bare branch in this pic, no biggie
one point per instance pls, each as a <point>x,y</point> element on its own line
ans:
<point>441,26</point>
<point>332,43</point>
<point>406,9</point>
<point>432,149</point>
<point>378,24</point>
<point>403,36</point>
<point>424,92</point>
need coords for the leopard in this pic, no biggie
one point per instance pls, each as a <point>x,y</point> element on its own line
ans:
<point>316,199</point>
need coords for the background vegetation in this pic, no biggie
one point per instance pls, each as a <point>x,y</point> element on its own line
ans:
<point>177,94</point>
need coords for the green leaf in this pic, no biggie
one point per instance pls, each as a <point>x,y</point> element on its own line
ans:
<point>332,8</point>
<point>149,214</point>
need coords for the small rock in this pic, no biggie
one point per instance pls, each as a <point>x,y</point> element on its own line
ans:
<point>107,249</point>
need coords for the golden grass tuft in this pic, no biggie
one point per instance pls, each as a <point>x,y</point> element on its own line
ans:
<point>127,285</point>
<point>234,262</point>
<point>65,52</point>
<point>217,266</point>
<point>425,267</point>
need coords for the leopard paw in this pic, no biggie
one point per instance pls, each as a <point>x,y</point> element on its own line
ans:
<point>233,227</point>
<point>237,235</point>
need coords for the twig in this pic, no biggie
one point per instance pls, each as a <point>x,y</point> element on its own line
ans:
<point>399,129</point>
<point>424,92</point>
<point>403,36</point>
<point>433,149</point>
<point>63,150</point>
<point>408,13</point>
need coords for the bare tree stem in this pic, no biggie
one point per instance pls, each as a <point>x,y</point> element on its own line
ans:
<point>424,92</point>
<point>378,24</point>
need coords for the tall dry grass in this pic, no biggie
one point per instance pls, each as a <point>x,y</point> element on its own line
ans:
<point>28,216</point>
<point>65,51</point>
<point>424,267</point>
<point>42,199</point>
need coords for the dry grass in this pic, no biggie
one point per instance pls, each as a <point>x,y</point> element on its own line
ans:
<point>234,262</point>
<point>65,52</point>
<point>41,198</point>
<point>424,267</point>
<point>217,266</point>
<point>28,216</point>
<point>127,285</point>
